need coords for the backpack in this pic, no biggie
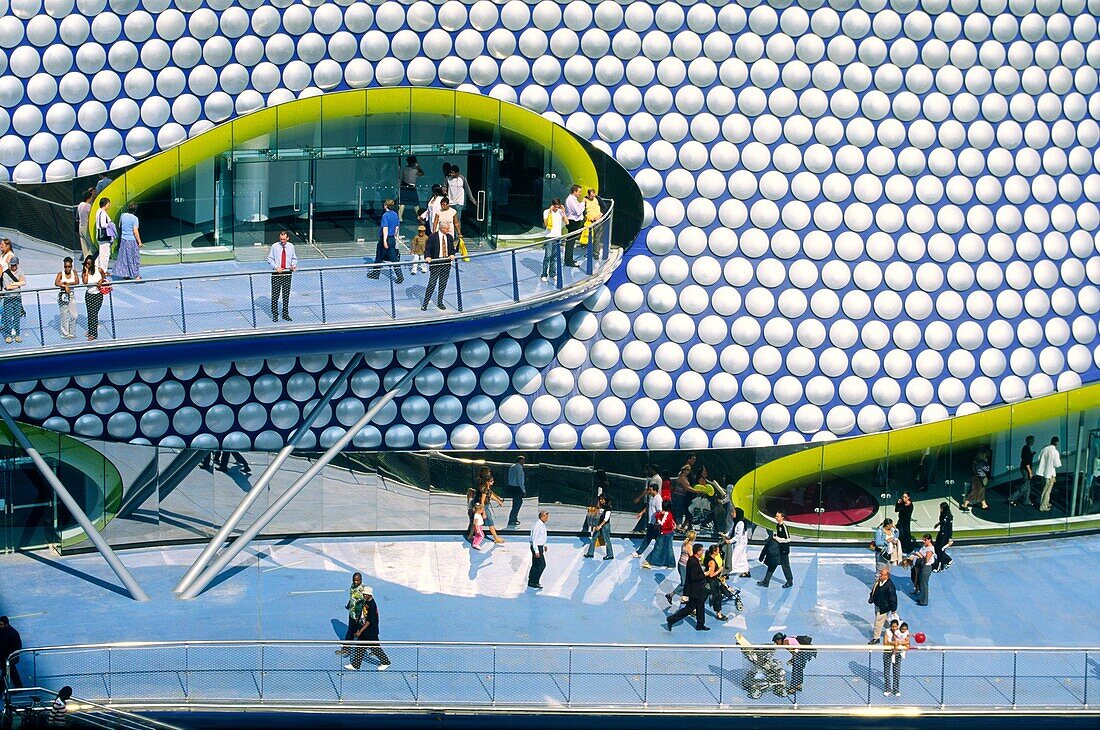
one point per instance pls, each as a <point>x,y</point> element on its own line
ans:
<point>804,640</point>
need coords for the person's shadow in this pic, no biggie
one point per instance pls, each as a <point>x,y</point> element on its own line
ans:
<point>873,677</point>
<point>339,628</point>
<point>478,560</point>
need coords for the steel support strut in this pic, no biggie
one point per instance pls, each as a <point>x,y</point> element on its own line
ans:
<point>101,545</point>
<point>257,489</point>
<point>257,526</point>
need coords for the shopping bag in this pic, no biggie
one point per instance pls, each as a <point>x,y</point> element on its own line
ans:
<point>462,250</point>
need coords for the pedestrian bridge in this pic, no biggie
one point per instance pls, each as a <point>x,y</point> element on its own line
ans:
<point>220,311</point>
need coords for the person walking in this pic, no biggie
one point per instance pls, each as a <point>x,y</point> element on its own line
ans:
<point>695,591</point>
<point>782,539</point>
<point>1022,493</point>
<point>884,597</point>
<point>354,607</point>
<point>681,493</point>
<point>737,545</point>
<point>371,630</point>
<point>553,219</point>
<point>410,175</point>
<point>431,208</point>
<point>662,555</point>
<point>602,529</point>
<point>649,513</point>
<point>10,642</point>
<point>903,508</point>
<point>13,281</point>
<point>574,221</point>
<point>283,262</point>
<point>479,530</point>
<point>83,214</point>
<point>128,265</point>
<point>592,213</point>
<point>714,567</point>
<point>687,549</point>
<point>439,253</point>
<point>457,189</point>
<point>386,249</point>
<point>1049,462</point>
<point>65,281</point>
<point>924,561</point>
<point>979,479</point>
<point>486,498</point>
<point>945,532</point>
<point>105,234</point>
<point>538,551</point>
<point>517,485</point>
<point>93,296</point>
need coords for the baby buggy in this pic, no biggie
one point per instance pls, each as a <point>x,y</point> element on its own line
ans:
<point>765,673</point>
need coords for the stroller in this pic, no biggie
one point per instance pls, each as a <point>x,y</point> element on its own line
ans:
<point>764,674</point>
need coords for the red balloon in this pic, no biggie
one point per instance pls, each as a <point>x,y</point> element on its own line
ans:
<point>920,637</point>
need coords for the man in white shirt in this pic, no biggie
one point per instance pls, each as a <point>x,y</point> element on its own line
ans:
<point>1049,461</point>
<point>283,262</point>
<point>553,218</point>
<point>517,484</point>
<point>457,190</point>
<point>652,529</point>
<point>538,550</point>
<point>574,220</point>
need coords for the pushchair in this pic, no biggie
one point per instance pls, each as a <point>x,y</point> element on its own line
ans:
<point>765,673</point>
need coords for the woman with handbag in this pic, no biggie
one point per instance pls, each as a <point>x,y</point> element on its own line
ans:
<point>105,234</point>
<point>12,281</point>
<point>96,280</point>
<point>65,281</point>
<point>128,265</point>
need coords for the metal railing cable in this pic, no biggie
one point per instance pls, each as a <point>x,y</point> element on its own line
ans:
<point>198,304</point>
<point>557,676</point>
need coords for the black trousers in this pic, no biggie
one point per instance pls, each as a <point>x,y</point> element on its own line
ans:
<point>280,287</point>
<point>93,302</point>
<point>652,532</point>
<point>570,242</point>
<point>13,680</point>
<point>696,605</point>
<point>517,504</point>
<point>538,565</point>
<point>785,563</point>
<point>439,272</point>
<point>383,254</point>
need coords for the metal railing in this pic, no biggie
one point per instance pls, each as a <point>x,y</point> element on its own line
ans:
<point>201,304</point>
<point>32,706</point>
<point>559,677</point>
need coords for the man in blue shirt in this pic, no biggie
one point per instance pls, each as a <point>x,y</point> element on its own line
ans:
<point>387,242</point>
<point>517,485</point>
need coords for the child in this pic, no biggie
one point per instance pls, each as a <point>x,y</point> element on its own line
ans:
<point>901,638</point>
<point>479,531</point>
<point>58,709</point>
<point>418,243</point>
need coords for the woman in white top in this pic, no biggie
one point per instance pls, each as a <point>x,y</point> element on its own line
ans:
<point>446,219</point>
<point>93,297</point>
<point>105,234</point>
<point>895,641</point>
<point>66,281</point>
<point>432,208</point>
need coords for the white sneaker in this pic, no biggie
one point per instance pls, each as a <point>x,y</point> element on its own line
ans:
<point>543,278</point>
<point>887,693</point>
<point>350,667</point>
<point>635,555</point>
<point>382,667</point>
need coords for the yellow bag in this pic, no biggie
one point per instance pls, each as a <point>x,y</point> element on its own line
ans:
<point>583,240</point>
<point>462,250</point>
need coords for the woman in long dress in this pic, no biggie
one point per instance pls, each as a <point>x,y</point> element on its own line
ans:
<point>128,265</point>
<point>738,545</point>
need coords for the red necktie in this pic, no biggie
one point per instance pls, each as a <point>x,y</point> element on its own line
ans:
<point>283,265</point>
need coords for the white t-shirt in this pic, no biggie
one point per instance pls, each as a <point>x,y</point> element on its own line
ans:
<point>409,174</point>
<point>557,221</point>
<point>456,190</point>
<point>654,506</point>
<point>479,519</point>
<point>447,220</point>
<point>1049,461</point>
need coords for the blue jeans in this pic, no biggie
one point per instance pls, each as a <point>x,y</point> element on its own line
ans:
<point>605,533</point>
<point>550,257</point>
<point>13,313</point>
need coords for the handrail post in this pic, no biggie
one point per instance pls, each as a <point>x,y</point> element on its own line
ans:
<point>558,256</point>
<point>458,285</point>
<point>416,687</point>
<point>943,676</point>
<point>183,311</point>
<point>111,307</point>
<point>515,278</point>
<point>493,696</point>
<point>1086,694</point>
<point>607,236</point>
<point>393,299</point>
<point>721,673</point>
<point>591,249</point>
<point>187,672</point>
<point>261,682</point>
<point>252,298</point>
<point>41,324</point>
<point>110,672</point>
<point>870,670</point>
<point>569,681</point>
<point>1015,656</point>
<point>645,680</point>
<point>321,274</point>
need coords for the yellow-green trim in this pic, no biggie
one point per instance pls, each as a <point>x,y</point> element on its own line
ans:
<point>787,471</point>
<point>163,166</point>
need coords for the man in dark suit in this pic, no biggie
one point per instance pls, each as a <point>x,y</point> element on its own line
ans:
<point>439,253</point>
<point>782,540</point>
<point>695,590</point>
<point>884,597</point>
<point>10,642</point>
